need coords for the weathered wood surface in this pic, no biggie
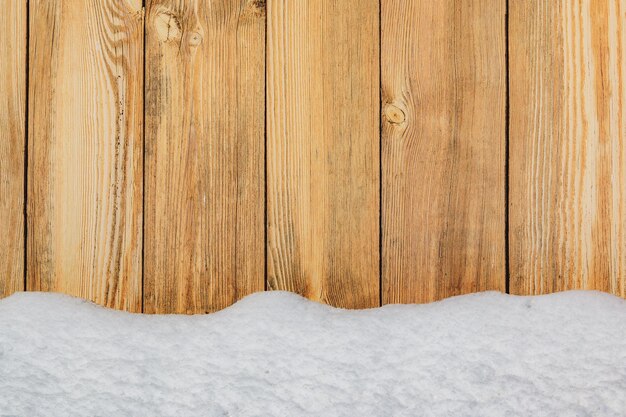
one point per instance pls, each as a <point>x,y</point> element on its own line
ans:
<point>568,146</point>
<point>443,148</point>
<point>205,183</point>
<point>85,150</point>
<point>341,190</point>
<point>323,150</point>
<point>12,143</point>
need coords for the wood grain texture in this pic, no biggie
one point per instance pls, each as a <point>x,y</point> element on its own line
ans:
<point>205,111</point>
<point>323,150</point>
<point>85,150</point>
<point>443,148</point>
<point>12,143</point>
<point>568,146</point>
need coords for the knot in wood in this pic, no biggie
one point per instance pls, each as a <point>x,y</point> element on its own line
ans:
<point>195,39</point>
<point>394,114</point>
<point>255,8</point>
<point>167,26</point>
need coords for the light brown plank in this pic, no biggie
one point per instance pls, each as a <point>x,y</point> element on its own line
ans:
<point>12,139</point>
<point>568,146</point>
<point>323,150</point>
<point>205,111</point>
<point>85,150</point>
<point>443,149</point>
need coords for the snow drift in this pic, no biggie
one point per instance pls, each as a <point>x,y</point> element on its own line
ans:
<point>277,354</point>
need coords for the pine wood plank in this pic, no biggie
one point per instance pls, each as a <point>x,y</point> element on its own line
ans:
<point>12,143</point>
<point>323,150</point>
<point>205,111</point>
<point>443,148</point>
<point>85,150</point>
<point>568,146</point>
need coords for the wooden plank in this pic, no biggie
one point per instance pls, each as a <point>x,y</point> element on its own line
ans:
<point>443,148</point>
<point>12,139</point>
<point>323,150</point>
<point>85,150</point>
<point>568,146</point>
<point>205,111</point>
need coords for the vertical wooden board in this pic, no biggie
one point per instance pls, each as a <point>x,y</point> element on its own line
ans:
<point>205,121</point>
<point>443,148</point>
<point>568,146</point>
<point>12,139</point>
<point>323,150</point>
<point>85,150</point>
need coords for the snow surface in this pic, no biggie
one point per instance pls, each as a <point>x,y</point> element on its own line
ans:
<point>277,354</point>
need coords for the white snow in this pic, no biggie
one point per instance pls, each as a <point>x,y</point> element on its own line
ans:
<point>277,354</point>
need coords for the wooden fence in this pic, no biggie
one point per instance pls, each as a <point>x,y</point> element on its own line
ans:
<point>175,156</point>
